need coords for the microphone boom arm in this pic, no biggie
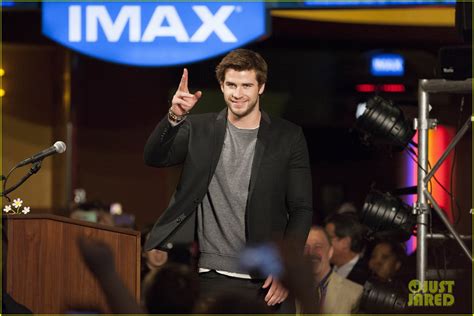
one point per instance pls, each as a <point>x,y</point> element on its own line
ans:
<point>34,169</point>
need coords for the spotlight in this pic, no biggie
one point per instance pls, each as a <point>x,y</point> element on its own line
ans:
<point>384,121</point>
<point>385,213</point>
<point>382,298</point>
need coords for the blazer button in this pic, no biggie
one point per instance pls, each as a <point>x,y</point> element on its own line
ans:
<point>180,218</point>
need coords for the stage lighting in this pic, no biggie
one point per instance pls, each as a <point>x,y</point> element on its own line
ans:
<point>385,213</point>
<point>382,298</point>
<point>382,120</point>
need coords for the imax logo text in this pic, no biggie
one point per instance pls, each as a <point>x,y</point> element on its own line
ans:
<point>164,22</point>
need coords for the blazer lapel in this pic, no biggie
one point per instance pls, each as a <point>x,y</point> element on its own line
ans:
<point>219,135</point>
<point>263,138</point>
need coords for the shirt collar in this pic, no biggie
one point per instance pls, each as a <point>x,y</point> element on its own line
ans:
<point>345,269</point>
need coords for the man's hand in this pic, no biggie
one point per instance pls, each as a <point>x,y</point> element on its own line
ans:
<point>183,101</point>
<point>277,292</point>
<point>99,258</point>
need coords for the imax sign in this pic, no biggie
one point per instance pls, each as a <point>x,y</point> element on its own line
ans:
<point>151,34</point>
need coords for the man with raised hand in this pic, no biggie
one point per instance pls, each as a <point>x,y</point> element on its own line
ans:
<point>183,101</point>
<point>246,179</point>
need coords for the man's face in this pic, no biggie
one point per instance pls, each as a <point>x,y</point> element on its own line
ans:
<point>155,258</point>
<point>340,245</point>
<point>383,262</point>
<point>318,247</point>
<point>241,92</point>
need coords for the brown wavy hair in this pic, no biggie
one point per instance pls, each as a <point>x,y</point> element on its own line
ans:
<point>240,60</point>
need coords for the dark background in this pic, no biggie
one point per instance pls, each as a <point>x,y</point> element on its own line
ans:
<point>313,70</point>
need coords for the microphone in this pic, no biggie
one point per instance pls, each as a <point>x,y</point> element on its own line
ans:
<point>58,147</point>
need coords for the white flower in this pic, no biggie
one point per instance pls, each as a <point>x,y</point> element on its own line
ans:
<point>26,210</point>
<point>17,203</point>
<point>7,208</point>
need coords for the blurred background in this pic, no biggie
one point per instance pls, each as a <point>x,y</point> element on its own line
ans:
<point>321,66</point>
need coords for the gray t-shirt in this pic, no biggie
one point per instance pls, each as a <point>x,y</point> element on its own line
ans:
<point>221,215</point>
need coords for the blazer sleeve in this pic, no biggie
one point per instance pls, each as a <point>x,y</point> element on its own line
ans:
<point>299,191</point>
<point>167,145</point>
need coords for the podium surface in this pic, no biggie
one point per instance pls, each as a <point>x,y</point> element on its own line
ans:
<point>45,271</point>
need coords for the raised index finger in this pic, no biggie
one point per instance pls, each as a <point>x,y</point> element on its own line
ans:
<point>183,84</point>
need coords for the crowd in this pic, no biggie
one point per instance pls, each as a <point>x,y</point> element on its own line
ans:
<point>327,277</point>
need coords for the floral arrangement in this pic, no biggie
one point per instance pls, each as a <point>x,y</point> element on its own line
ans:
<point>15,207</point>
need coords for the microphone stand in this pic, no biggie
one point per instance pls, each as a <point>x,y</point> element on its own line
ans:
<point>34,169</point>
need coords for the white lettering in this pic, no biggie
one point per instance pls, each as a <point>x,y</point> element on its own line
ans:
<point>165,22</point>
<point>174,29</point>
<point>75,24</point>
<point>97,14</point>
<point>384,64</point>
<point>214,23</point>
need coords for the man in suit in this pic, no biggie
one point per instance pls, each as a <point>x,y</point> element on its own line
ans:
<point>337,294</point>
<point>246,178</point>
<point>348,240</point>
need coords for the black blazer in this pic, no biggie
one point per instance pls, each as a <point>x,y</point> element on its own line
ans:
<point>279,202</point>
<point>360,271</point>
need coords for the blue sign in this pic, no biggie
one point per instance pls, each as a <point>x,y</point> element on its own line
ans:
<point>387,65</point>
<point>152,33</point>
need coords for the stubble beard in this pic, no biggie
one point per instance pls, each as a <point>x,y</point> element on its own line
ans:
<point>245,113</point>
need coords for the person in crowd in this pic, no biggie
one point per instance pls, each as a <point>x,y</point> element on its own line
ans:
<point>348,240</point>
<point>337,295</point>
<point>94,211</point>
<point>153,259</point>
<point>386,259</point>
<point>173,289</point>
<point>346,207</point>
<point>230,162</point>
<point>298,277</point>
<point>99,259</point>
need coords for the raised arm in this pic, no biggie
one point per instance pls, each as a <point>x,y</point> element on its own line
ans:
<point>167,145</point>
<point>183,101</point>
<point>99,258</point>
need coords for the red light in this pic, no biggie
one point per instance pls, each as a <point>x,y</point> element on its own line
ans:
<point>397,88</point>
<point>365,88</point>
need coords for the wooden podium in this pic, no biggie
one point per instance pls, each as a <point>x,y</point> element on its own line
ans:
<point>45,271</point>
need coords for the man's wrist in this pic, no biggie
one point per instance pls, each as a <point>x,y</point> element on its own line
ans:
<point>173,117</point>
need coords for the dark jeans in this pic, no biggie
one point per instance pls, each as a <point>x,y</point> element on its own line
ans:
<point>241,291</point>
